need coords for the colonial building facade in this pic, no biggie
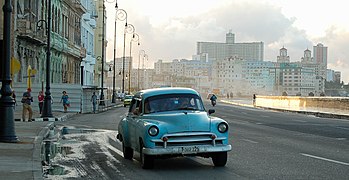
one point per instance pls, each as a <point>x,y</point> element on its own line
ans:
<point>30,40</point>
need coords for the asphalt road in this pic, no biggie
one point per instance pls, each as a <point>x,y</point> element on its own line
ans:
<point>266,145</point>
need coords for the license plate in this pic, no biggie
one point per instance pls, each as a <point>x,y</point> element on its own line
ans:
<point>187,150</point>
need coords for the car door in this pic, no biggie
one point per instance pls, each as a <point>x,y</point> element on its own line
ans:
<point>133,117</point>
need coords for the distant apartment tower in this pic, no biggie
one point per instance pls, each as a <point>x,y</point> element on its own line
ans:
<point>296,79</point>
<point>330,75</point>
<point>220,51</point>
<point>320,58</point>
<point>236,76</point>
<point>193,73</point>
<point>337,76</point>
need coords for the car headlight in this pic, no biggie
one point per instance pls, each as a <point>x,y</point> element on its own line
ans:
<point>153,131</point>
<point>222,127</point>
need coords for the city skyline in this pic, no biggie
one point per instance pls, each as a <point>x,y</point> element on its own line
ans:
<point>171,31</point>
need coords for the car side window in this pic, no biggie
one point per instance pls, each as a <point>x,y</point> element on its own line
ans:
<point>139,107</point>
<point>147,109</point>
<point>134,107</point>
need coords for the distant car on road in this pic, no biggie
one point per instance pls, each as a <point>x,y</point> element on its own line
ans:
<point>168,122</point>
<point>127,100</point>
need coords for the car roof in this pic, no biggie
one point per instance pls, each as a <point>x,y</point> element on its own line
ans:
<point>167,90</point>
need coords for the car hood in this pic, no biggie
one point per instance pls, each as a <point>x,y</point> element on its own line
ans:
<point>186,121</point>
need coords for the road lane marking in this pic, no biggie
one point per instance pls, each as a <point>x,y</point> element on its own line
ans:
<point>341,139</point>
<point>249,141</point>
<point>325,159</point>
<point>265,116</point>
<point>342,128</point>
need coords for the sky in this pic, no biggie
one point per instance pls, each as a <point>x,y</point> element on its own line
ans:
<point>170,29</point>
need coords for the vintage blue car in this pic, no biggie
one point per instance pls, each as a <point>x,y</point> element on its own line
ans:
<point>169,122</point>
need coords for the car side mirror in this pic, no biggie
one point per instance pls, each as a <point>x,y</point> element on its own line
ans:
<point>211,111</point>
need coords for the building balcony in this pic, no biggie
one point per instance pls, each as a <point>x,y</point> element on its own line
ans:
<point>26,30</point>
<point>78,6</point>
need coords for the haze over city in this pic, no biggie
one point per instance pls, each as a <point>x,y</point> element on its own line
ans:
<point>170,29</point>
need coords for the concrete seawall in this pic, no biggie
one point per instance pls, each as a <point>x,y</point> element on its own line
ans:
<point>314,104</point>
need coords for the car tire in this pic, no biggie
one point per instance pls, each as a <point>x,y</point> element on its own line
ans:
<point>124,105</point>
<point>147,161</point>
<point>219,159</point>
<point>127,151</point>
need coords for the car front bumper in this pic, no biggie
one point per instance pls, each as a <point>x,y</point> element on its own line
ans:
<point>127,102</point>
<point>186,150</point>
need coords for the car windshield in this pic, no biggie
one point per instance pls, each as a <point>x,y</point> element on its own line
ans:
<point>173,102</point>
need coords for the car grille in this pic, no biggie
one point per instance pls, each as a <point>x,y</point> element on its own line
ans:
<point>188,139</point>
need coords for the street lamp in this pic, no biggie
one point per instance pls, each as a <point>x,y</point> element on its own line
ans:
<point>141,52</point>
<point>47,109</point>
<point>129,28</point>
<point>145,57</point>
<point>135,38</point>
<point>7,103</point>
<point>99,58</point>
<point>101,98</point>
<point>120,14</point>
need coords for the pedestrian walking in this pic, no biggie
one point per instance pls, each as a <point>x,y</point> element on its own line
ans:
<point>66,102</point>
<point>41,101</point>
<point>27,99</point>
<point>94,101</point>
<point>254,100</point>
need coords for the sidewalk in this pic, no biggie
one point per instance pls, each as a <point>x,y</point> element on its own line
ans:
<point>57,115</point>
<point>22,160</point>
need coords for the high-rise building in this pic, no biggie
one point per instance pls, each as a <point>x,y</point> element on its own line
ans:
<point>330,75</point>
<point>320,58</point>
<point>220,51</point>
<point>337,76</point>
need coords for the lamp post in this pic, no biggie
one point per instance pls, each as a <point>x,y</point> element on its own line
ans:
<point>120,14</point>
<point>145,57</point>
<point>101,102</point>
<point>47,109</point>
<point>135,38</point>
<point>7,103</point>
<point>129,28</point>
<point>139,64</point>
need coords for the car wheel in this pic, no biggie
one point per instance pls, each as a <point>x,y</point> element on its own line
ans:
<point>124,105</point>
<point>147,161</point>
<point>219,158</point>
<point>127,151</point>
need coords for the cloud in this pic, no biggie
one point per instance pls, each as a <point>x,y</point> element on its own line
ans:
<point>337,41</point>
<point>176,38</point>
